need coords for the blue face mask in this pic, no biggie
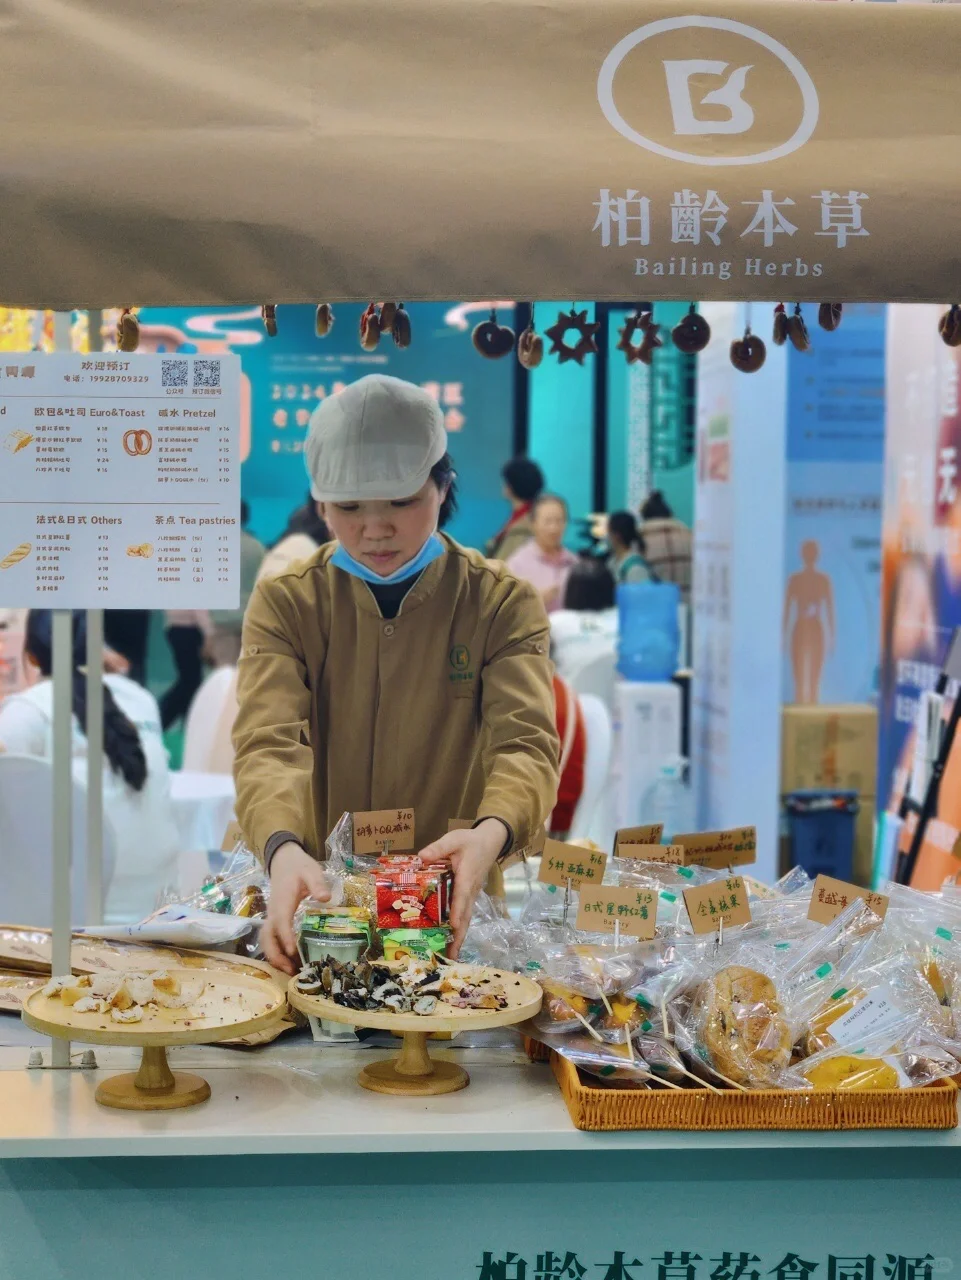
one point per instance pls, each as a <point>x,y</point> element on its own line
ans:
<point>432,549</point>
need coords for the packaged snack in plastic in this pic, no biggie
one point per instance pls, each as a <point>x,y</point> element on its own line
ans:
<point>899,1057</point>
<point>820,964</point>
<point>642,1062</point>
<point>737,1025</point>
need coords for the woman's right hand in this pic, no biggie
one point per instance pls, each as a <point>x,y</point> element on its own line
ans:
<point>294,875</point>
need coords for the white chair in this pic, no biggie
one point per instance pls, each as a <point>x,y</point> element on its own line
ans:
<point>209,722</point>
<point>26,844</point>
<point>596,678</point>
<point>590,814</point>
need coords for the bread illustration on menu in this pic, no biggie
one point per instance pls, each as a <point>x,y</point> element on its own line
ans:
<point>18,440</point>
<point>16,555</point>
<point>140,550</point>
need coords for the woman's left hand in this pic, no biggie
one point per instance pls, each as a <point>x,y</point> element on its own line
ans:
<point>471,855</point>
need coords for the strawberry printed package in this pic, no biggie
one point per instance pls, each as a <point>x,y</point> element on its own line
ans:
<point>410,895</point>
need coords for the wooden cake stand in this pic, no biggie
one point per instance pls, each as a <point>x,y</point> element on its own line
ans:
<point>231,1005</point>
<point>414,1073</point>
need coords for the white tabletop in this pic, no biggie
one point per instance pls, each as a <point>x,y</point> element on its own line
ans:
<point>203,807</point>
<point>305,1099</point>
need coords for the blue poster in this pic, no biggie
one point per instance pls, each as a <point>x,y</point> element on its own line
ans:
<point>286,377</point>
<point>835,450</point>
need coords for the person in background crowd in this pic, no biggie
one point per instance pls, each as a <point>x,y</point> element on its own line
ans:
<point>136,782</point>
<point>572,731</point>
<point>544,561</point>
<point>667,544</point>
<point>306,531</point>
<point>626,561</point>
<point>586,627</point>
<point>523,485</point>
<point>126,632</point>
<point>223,644</point>
<point>187,632</point>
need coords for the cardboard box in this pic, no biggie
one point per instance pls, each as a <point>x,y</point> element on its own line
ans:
<point>831,747</point>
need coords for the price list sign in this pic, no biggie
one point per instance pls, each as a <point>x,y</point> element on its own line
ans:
<point>119,481</point>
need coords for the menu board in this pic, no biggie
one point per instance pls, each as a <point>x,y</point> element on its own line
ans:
<point>119,481</point>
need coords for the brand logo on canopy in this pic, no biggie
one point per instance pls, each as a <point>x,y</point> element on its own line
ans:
<point>737,93</point>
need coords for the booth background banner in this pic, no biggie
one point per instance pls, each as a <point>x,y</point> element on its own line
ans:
<point>241,151</point>
<point>738,580</point>
<point>286,377</point>
<point>921,559</point>
<point>835,451</point>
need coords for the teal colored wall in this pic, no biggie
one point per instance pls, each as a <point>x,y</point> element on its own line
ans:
<point>561,433</point>
<point>392,1216</point>
<point>640,402</point>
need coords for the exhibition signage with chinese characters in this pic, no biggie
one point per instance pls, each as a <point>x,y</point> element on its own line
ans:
<point>120,486</point>
<point>755,151</point>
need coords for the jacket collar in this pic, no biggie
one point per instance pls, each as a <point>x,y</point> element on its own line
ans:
<point>420,592</point>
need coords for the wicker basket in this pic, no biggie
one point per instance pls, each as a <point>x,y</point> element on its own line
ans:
<point>536,1052</point>
<point>605,1108</point>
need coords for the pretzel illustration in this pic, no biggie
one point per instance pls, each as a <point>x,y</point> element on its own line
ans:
<point>16,555</point>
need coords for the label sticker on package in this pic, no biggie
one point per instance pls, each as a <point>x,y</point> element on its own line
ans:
<point>605,910</point>
<point>384,831</point>
<point>709,904</point>
<point>870,1017</point>
<point>829,898</point>
<point>735,847</point>
<point>571,863</point>
<point>651,834</point>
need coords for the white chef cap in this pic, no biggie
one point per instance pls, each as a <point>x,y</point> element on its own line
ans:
<point>376,439</point>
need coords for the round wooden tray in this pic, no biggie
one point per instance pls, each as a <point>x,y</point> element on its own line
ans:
<point>232,1005</point>
<point>413,1073</point>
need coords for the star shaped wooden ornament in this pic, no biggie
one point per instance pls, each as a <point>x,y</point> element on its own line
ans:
<point>586,345</point>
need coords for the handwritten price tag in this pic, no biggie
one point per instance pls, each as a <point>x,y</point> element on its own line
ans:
<point>725,900</point>
<point>651,834</point>
<point>561,863</point>
<point>830,897</point>
<point>671,854</point>
<point>393,827</point>
<point>736,847</point>
<point>634,910</point>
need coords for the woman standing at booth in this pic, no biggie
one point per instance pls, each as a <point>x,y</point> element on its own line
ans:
<point>393,668</point>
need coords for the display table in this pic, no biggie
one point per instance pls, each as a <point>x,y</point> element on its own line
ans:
<point>292,1160</point>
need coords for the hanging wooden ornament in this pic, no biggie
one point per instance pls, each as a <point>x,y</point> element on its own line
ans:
<point>530,345</point>
<point>797,330</point>
<point>748,353</point>
<point>399,325</point>
<point>586,345</point>
<point>370,328</point>
<point>625,337</point>
<point>779,337</point>
<point>692,334</point>
<point>387,312</point>
<point>829,315</point>
<point>269,313</point>
<point>324,320</point>
<point>949,326</point>
<point>128,331</point>
<point>492,340</point>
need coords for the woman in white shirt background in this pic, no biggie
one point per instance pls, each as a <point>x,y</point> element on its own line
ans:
<point>136,780</point>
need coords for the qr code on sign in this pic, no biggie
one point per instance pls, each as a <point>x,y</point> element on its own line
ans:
<point>174,373</point>
<point>206,373</point>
